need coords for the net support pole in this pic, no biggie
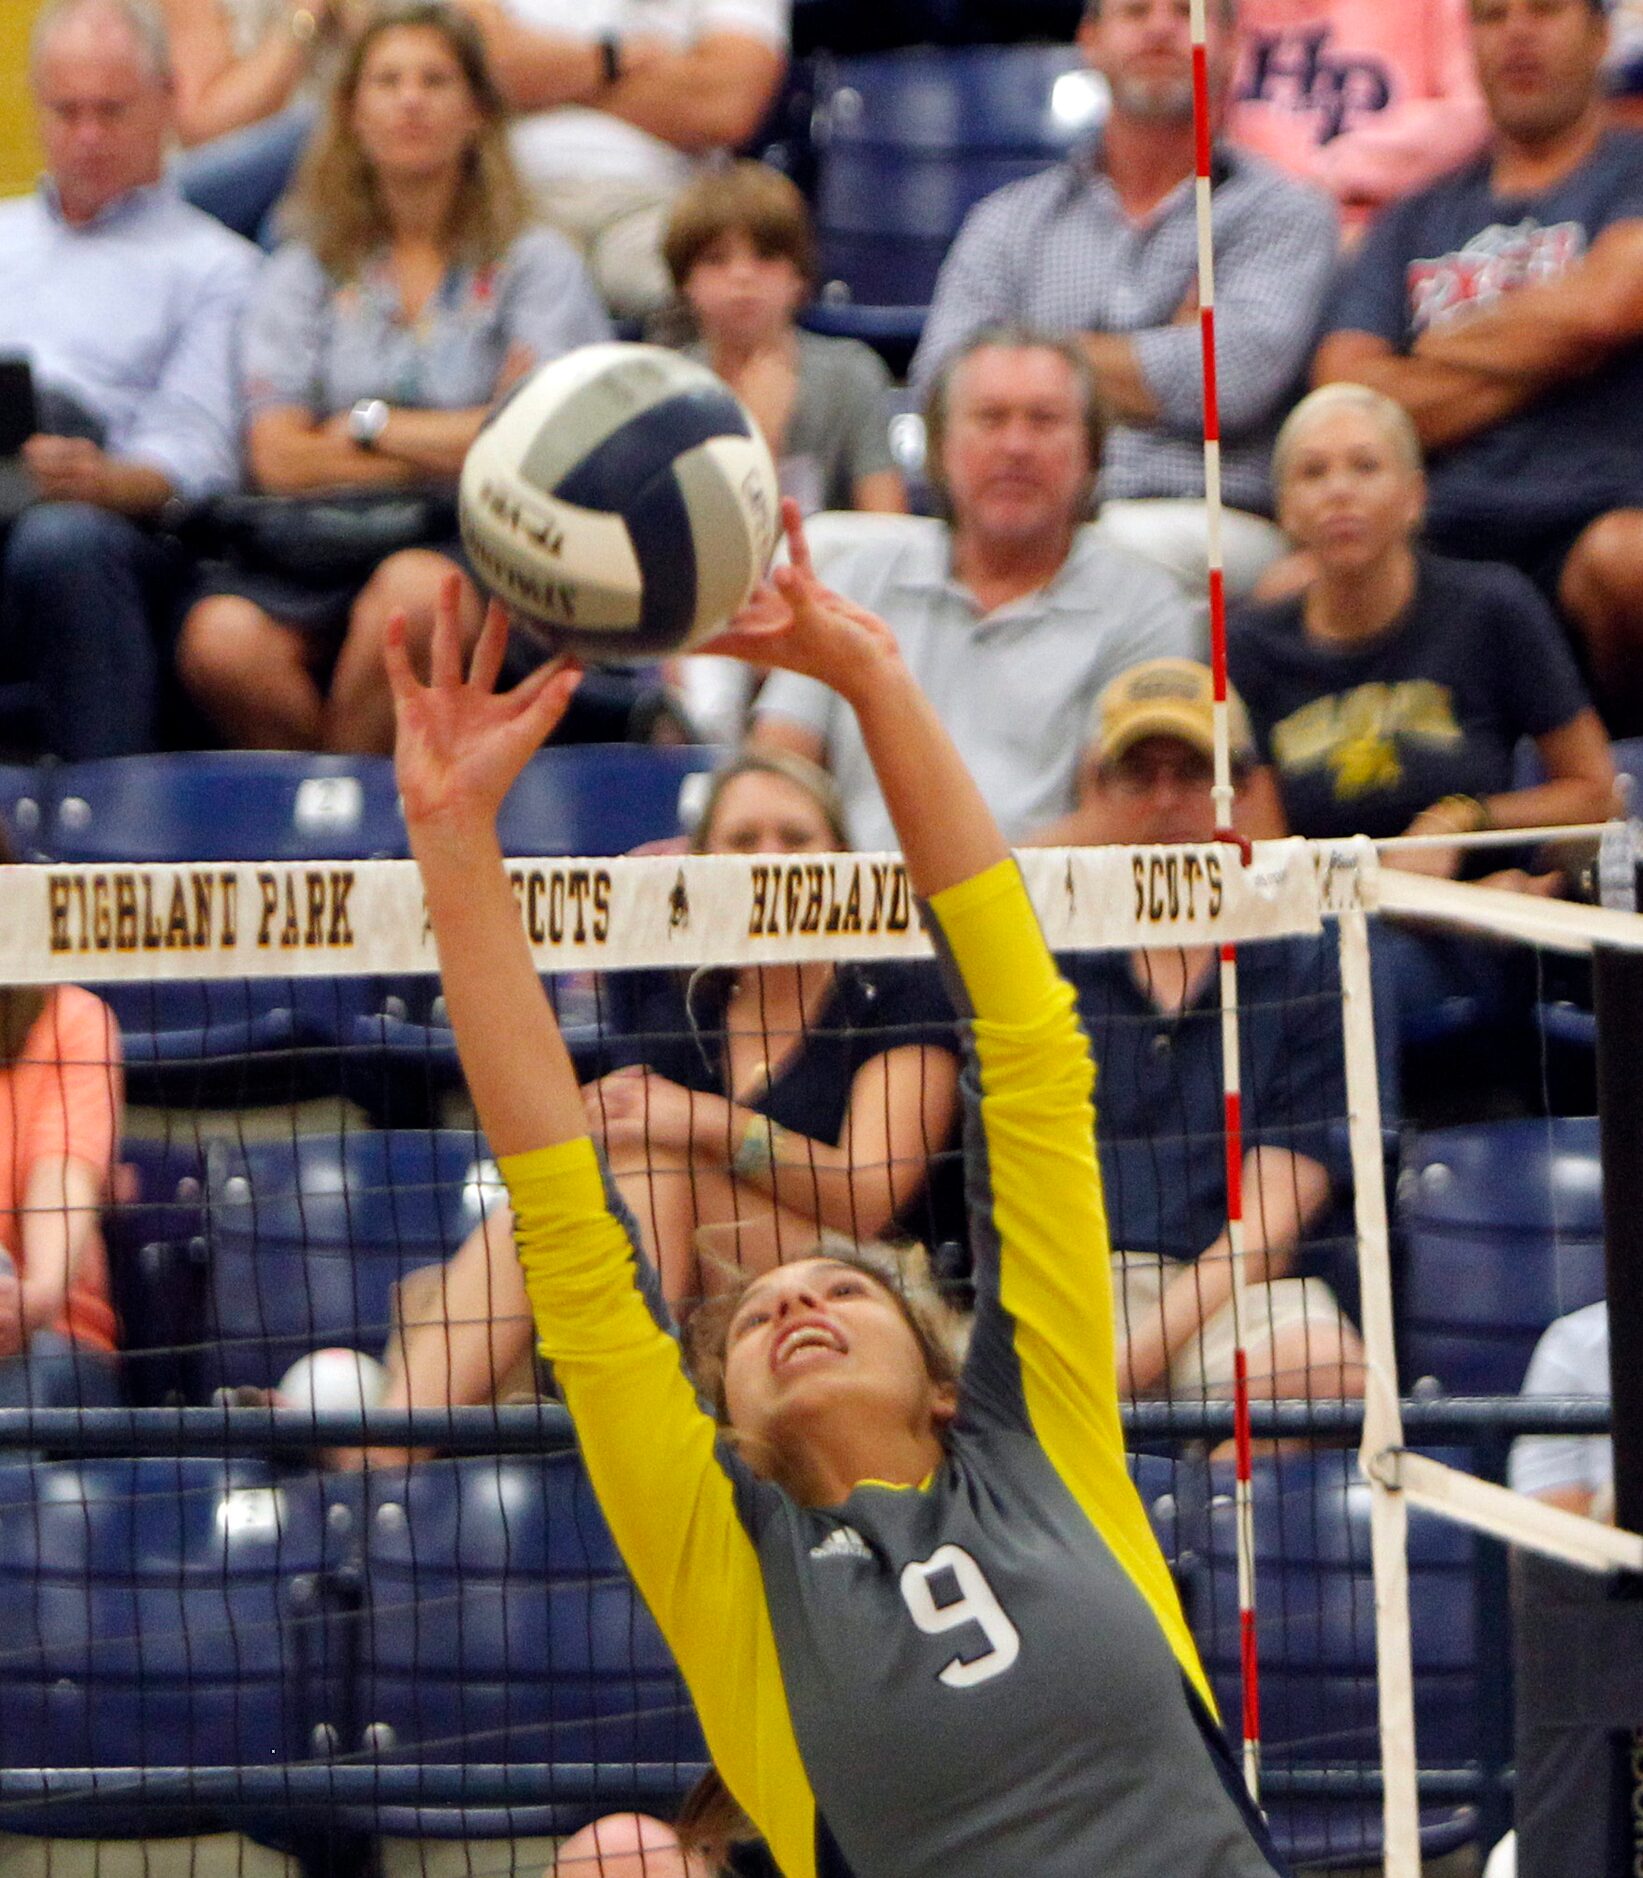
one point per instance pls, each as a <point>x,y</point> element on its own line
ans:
<point>1230,1052</point>
<point>1383,1420</point>
<point>1203,139</point>
<point>1617,978</point>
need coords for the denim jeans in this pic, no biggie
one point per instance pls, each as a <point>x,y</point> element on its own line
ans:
<point>88,601</point>
<point>56,1372</point>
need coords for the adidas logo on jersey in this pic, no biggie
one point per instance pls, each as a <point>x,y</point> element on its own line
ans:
<point>842,1542</point>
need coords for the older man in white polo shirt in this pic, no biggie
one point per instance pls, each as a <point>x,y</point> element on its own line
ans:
<point>1013,615</point>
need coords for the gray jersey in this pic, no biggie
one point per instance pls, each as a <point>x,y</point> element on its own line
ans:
<point>987,1675</point>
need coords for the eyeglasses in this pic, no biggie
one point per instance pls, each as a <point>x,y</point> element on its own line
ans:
<point>1145,774</point>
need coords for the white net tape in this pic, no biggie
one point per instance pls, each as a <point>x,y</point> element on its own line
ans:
<point>103,924</point>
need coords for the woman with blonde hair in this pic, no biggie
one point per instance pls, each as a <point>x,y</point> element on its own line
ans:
<point>412,295</point>
<point>1389,696</point>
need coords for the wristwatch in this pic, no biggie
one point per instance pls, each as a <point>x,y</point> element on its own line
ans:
<point>610,54</point>
<point>367,421</point>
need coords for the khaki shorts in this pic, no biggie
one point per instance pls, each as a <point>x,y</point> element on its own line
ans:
<point>1203,1365</point>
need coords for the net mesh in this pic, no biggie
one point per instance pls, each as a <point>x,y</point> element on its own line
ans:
<point>410,1623</point>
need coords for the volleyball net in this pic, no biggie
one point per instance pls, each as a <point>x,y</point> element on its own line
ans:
<point>406,1621</point>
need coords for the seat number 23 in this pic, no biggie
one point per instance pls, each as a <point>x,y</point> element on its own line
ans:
<point>976,1603</point>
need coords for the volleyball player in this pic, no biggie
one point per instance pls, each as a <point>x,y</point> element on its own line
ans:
<point>925,1622</point>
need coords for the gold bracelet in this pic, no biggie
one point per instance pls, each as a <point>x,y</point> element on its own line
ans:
<point>304,25</point>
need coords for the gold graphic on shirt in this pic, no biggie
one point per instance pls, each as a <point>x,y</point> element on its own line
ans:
<point>1355,734</point>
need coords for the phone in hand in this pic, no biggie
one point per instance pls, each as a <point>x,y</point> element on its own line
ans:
<point>19,410</point>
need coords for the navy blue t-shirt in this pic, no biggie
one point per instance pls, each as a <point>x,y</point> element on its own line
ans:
<point>1362,739</point>
<point>674,1023</point>
<point>1578,450</point>
<point>1159,1101</point>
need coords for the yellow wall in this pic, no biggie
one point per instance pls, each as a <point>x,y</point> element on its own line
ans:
<point>19,156</point>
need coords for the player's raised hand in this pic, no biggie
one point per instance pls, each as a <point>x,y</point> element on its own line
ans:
<point>794,622</point>
<point>459,742</point>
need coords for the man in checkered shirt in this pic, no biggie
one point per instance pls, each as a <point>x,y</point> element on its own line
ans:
<point>1104,246</point>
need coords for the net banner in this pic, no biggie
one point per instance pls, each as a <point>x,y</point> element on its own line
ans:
<point>106,924</point>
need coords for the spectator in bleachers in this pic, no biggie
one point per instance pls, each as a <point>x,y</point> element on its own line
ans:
<point>1390,696</point>
<point>61,1103</point>
<point>620,105</point>
<point>374,347</point>
<point>1575,1472</point>
<point>1105,246</point>
<point>124,301</point>
<point>1014,613</point>
<point>741,252</point>
<point>755,1112</point>
<point>1154,1023</point>
<point>1503,308</point>
<point>1370,99</point>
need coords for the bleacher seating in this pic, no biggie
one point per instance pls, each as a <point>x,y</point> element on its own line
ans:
<point>237,805</point>
<point>907,143</point>
<point>501,1626</point>
<point>154,1613</point>
<point>306,1238</point>
<point>155,1238</point>
<point>20,807</point>
<point>1502,1230</point>
<point>598,798</point>
<point>173,1614</point>
<point>1315,1624</point>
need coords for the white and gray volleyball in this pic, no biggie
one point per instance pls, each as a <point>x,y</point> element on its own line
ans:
<point>621,503</point>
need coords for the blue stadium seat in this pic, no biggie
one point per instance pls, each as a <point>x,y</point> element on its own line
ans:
<point>575,799</point>
<point>500,1626</point>
<point>1174,1490</point>
<point>20,785</point>
<point>237,805</point>
<point>1502,1228</point>
<point>598,798</point>
<point>307,1237</point>
<point>154,1233</point>
<point>1315,1618</point>
<point>908,142</point>
<point>157,1613</point>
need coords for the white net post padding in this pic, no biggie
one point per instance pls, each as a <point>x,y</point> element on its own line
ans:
<point>1383,1421</point>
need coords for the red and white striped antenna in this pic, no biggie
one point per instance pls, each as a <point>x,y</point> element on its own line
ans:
<point>1203,126</point>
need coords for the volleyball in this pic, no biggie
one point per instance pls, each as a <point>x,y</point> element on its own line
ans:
<point>620,503</point>
<point>331,1382</point>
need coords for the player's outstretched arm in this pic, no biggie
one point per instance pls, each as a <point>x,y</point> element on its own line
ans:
<point>459,745</point>
<point>947,832</point>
